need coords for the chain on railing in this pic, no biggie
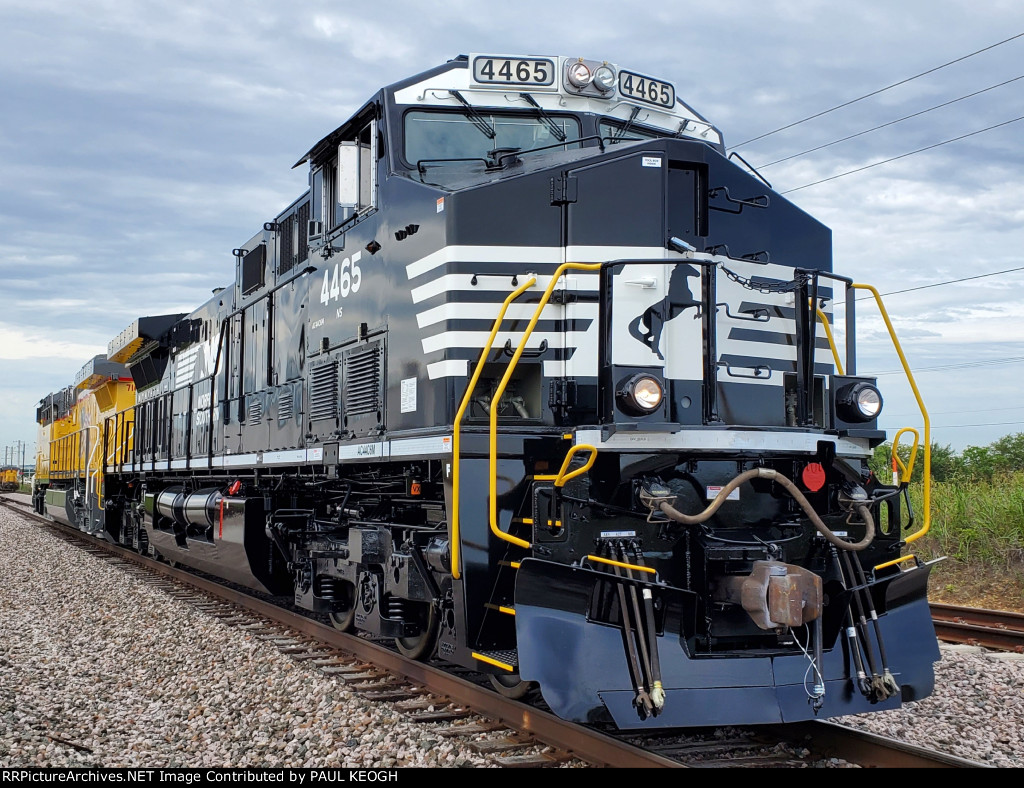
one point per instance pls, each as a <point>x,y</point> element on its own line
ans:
<point>767,287</point>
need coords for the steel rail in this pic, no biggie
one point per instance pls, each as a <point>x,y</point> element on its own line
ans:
<point>997,629</point>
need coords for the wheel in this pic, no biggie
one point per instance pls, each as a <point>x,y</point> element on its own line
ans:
<point>344,620</point>
<point>510,685</point>
<point>421,646</point>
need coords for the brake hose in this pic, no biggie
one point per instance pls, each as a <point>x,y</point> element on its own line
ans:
<point>793,490</point>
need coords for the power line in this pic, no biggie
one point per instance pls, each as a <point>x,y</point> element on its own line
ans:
<point>953,281</point>
<point>965,365</point>
<point>903,155</point>
<point>891,417</point>
<point>948,412</point>
<point>985,424</point>
<point>890,123</point>
<point>935,284</point>
<point>880,90</point>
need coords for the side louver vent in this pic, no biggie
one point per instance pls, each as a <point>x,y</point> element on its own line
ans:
<point>285,406</point>
<point>255,413</point>
<point>303,220</point>
<point>362,381</point>
<point>323,392</point>
<point>286,258</point>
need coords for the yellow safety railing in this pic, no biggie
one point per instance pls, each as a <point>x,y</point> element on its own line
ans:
<point>93,470</point>
<point>562,477</point>
<point>831,340</point>
<point>493,486</point>
<point>927,484</point>
<point>908,469</point>
<point>610,562</point>
<point>901,560</point>
<point>461,412</point>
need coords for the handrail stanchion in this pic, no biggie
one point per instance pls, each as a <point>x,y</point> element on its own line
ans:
<point>927,486</point>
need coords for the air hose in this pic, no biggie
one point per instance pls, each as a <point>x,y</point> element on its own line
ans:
<point>792,489</point>
<point>657,689</point>
<point>642,701</point>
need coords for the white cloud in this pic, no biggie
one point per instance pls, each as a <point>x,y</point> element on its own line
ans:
<point>19,345</point>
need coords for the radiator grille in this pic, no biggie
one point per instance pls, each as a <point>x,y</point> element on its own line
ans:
<point>302,224</point>
<point>362,381</point>
<point>323,392</point>
<point>286,260</point>
<point>253,269</point>
<point>292,244</point>
<point>285,406</point>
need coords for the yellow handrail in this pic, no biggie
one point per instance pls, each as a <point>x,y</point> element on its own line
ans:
<point>909,468</point>
<point>900,560</point>
<point>462,409</point>
<point>562,477</point>
<point>831,341</point>
<point>90,475</point>
<point>610,562</point>
<point>493,488</point>
<point>927,487</point>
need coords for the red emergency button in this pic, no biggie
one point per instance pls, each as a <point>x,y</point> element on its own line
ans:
<point>813,476</point>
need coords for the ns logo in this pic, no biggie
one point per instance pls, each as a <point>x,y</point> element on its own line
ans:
<point>647,327</point>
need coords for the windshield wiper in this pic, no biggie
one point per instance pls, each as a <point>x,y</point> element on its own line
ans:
<point>554,127</point>
<point>478,120</point>
<point>622,131</point>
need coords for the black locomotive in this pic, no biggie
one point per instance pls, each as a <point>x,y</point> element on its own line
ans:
<point>537,380</point>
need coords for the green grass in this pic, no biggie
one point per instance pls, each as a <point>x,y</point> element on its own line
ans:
<point>974,521</point>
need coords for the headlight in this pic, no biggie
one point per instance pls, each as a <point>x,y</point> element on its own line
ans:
<point>604,79</point>
<point>859,401</point>
<point>579,75</point>
<point>640,394</point>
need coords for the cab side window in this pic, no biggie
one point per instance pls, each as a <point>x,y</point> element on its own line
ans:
<point>345,186</point>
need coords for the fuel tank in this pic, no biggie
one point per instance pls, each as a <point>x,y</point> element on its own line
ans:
<point>219,534</point>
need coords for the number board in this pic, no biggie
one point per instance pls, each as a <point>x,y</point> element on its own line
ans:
<point>533,71</point>
<point>653,91</point>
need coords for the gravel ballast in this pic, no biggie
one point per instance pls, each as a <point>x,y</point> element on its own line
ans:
<point>97,669</point>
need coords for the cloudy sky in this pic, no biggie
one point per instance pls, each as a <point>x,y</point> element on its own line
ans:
<point>140,142</point>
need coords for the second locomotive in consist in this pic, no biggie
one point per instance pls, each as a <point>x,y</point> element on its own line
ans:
<point>537,380</point>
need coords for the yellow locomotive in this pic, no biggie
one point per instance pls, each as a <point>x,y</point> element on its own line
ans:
<point>73,442</point>
<point>8,478</point>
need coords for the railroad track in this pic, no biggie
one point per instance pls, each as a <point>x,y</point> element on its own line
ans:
<point>996,629</point>
<point>519,734</point>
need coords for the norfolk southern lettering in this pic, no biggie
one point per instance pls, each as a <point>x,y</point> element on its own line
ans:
<point>534,376</point>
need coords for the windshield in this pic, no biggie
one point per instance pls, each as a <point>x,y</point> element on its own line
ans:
<point>613,131</point>
<point>456,135</point>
